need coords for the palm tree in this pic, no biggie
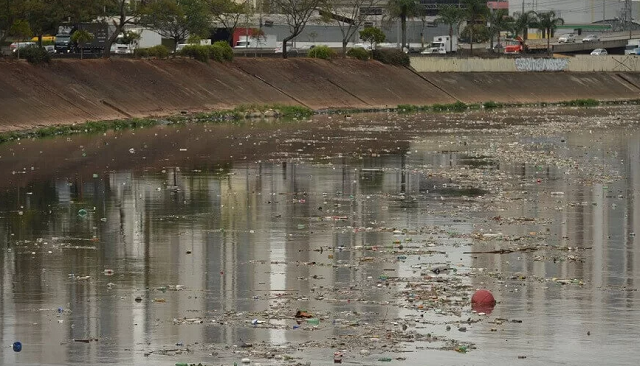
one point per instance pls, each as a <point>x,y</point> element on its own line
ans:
<point>523,22</point>
<point>450,15</point>
<point>404,9</point>
<point>548,23</point>
<point>474,10</point>
<point>499,21</point>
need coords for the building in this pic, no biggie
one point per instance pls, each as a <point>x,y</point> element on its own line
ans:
<point>579,11</point>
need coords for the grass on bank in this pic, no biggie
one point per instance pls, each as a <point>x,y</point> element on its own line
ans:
<point>238,114</point>
<point>462,107</point>
<point>284,112</point>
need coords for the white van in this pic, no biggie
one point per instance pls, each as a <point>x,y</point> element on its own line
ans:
<point>15,45</point>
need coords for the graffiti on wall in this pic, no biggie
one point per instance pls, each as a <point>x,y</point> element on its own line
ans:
<point>542,64</point>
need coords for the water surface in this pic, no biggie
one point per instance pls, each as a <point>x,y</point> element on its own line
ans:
<point>163,245</point>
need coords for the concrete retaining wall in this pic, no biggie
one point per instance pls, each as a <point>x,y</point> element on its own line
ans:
<point>580,63</point>
<point>71,91</point>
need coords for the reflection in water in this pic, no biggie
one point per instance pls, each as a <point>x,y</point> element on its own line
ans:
<point>169,238</point>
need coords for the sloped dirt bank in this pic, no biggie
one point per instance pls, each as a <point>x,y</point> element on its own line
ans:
<point>72,91</point>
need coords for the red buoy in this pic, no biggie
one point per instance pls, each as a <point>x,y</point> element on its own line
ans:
<point>482,301</point>
<point>483,297</point>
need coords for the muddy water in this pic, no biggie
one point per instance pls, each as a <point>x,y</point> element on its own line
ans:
<point>199,243</point>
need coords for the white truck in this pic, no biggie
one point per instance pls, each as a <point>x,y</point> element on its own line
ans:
<point>148,38</point>
<point>633,47</point>
<point>441,45</point>
<point>265,41</point>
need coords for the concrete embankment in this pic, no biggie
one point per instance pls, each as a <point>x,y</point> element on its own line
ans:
<point>71,91</point>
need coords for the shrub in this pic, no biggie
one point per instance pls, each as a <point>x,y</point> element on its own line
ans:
<point>391,57</point>
<point>581,103</point>
<point>219,51</point>
<point>35,55</point>
<point>359,53</point>
<point>227,51</point>
<point>455,107</point>
<point>322,52</point>
<point>200,53</point>
<point>491,105</point>
<point>141,52</point>
<point>158,51</point>
<point>410,108</point>
<point>216,53</point>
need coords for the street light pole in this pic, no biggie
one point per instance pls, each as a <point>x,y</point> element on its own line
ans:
<point>628,12</point>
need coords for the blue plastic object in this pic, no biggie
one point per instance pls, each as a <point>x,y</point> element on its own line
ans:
<point>17,346</point>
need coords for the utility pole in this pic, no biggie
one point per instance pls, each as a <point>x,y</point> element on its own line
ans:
<point>628,12</point>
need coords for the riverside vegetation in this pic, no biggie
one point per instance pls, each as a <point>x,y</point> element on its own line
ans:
<point>282,112</point>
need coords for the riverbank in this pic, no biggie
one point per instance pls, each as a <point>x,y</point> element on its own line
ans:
<point>75,91</point>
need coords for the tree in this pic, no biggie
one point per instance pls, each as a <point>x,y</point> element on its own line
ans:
<point>256,34</point>
<point>548,23</point>
<point>80,37</point>
<point>523,22</point>
<point>176,19</point>
<point>121,13</point>
<point>10,11</point>
<point>20,29</point>
<point>474,11</point>
<point>43,16</point>
<point>350,15</point>
<point>297,14</point>
<point>77,11</point>
<point>372,35</point>
<point>451,15</point>
<point>227,13</point>
<point>499,21</point>
<point>403,9</point>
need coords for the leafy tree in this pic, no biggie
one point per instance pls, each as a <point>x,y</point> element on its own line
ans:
<point>43,16</point>
<point>403,9</point>
<point>10,11</point>
<point>81,37</point>
<point>548,23</point>
<point>451,15</point>
<point>500,21</point>
<point>176,19</point>
<point>256,34</point>
<point>523,22</point>
<point>372,35</point>
<point>349,15</point>
<point>129,37</point>
<point>227,13</point>
<point>20,29</point>
<point>194,39</point>
<point>122,13</point>
<point>297,14</point>
<point>478,33</point>
<point>78,11</point>
<point>474,11</point>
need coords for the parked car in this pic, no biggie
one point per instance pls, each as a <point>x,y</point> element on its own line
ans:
<point>599,52</point>
<point>15,45</point>
<point>567,38</point>
<point>591,38</point>
<point>363,45</point>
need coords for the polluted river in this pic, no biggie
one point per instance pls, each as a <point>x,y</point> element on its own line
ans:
<point>336,239</point>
